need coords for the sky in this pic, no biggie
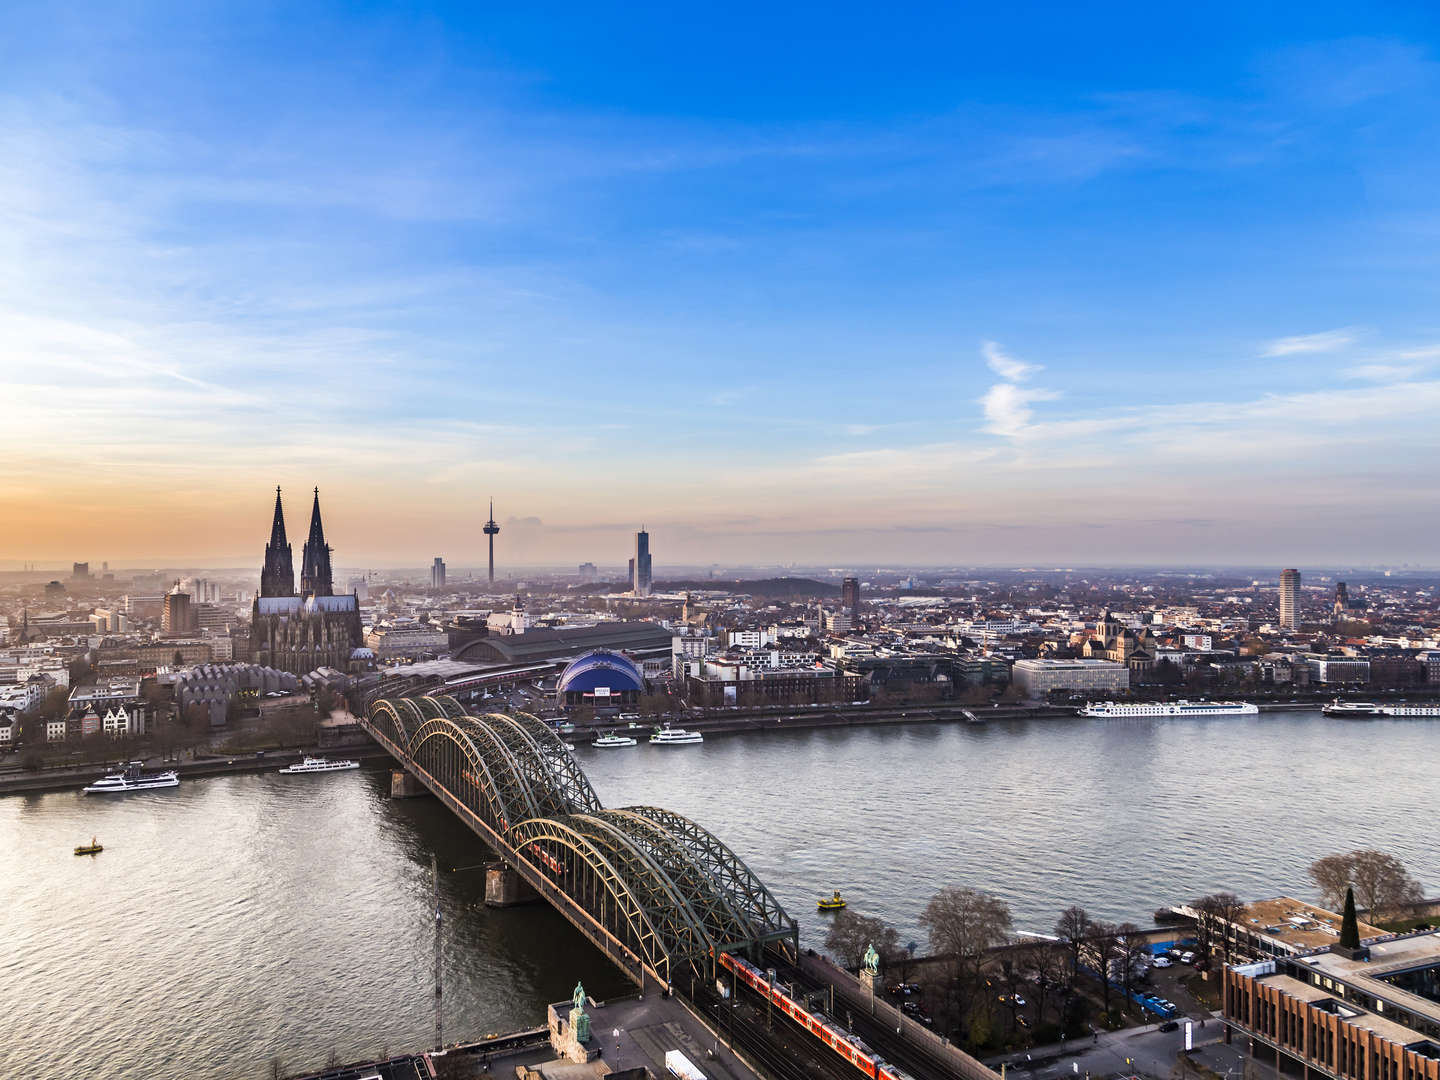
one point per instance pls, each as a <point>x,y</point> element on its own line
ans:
<point>819,284</point>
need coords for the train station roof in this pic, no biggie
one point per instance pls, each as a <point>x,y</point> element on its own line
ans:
<point>561,646</point>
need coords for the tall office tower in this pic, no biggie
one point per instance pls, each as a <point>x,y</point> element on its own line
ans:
<point>278,576</point>
<point>588,573</point>
<point>178,617</point>
<point>1342,601</point>
<point>80,571</point>
<point>850,596</point>
<point>630,573</point>
<point>437,573</point>
<point>490,530</point>
<point>1290,599</point>
<point>641,584</point>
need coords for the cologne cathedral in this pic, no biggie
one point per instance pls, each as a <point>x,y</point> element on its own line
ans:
<point>299,632</point>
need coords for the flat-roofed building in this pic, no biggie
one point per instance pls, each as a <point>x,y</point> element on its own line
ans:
<point>1037,678</point>
<point>1281,926</point>
<point>1371,1013</point>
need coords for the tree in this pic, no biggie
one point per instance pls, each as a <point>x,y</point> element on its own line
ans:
<point>1218,915</point>
<point>1047,964</point>
<point>1102,940</point>
<point>851,933</point>
<point>1349,924</point>
<point>964,922</point>
<point>1382,883</point>
<point>1331,876</point>
<point>1073,927</point>
<point>1380,880</point>
<point>1131,949</point>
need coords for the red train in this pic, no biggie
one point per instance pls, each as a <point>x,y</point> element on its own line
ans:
<point>848,1046</point>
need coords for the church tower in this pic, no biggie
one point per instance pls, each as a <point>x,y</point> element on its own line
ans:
<point>315,577</point>
<point>278,577</point>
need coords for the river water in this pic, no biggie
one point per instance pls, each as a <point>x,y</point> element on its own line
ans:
<point>239,919</point>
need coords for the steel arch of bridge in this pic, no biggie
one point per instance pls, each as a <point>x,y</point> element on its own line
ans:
<point>665,890</point>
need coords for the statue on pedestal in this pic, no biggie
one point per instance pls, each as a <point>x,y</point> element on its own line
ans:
<point>579,1019</point>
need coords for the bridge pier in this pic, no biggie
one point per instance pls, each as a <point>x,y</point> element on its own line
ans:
<point>505,888</point>
<point>405,786</point>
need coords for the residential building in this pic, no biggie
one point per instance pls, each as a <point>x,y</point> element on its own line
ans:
<point>850,596</point>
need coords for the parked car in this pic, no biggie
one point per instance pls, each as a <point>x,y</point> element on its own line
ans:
<point>1187,957</point>
<point>1170,1025</point>
<point>1163,962</point>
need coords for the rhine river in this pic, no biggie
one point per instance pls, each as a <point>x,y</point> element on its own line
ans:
<point>241,919</point>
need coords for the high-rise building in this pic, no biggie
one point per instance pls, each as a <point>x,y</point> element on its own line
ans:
<point>588,573</point>
<point>437,573</point>
<point>490,530</point>
<point>850,596</point>
<point>315,576</point>
<point>178,616</point>
<point>80,571</point>
<point>1342,601</point>
<point>641,583</point>
<point>1290,599</point>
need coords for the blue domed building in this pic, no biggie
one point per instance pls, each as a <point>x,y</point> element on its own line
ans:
<point>598,679</point>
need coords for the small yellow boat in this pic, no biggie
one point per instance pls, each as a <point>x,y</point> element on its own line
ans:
<point>91,848</point>
<point>834,903</point>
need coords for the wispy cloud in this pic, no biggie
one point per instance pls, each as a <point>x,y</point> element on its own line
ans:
<point>1007,408</point>
<point>1323,342</point>
<point>1005,365</point>
<point>1006,405</point>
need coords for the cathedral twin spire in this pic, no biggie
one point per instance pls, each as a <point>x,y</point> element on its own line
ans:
<point>278,576</point>
<point>315,576</point>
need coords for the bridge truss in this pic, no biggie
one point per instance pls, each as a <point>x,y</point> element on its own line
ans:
<point>657,892</point>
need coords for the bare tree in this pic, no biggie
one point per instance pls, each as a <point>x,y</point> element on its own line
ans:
<point>1205,925</point>
<point>1331,876</point>
<point>964,922</point>
<point>1130,950</point>
<point>1102,942</point>
<point>1381,881</point>
<point>1228,910</point>
<point>851,933</point>
<point>1046,961</point>
<point>1073,927</point>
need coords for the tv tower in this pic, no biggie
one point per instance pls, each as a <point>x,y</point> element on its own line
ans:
<point>490,530</point>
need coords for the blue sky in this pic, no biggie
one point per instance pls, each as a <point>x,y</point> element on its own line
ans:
<point>832,284</point>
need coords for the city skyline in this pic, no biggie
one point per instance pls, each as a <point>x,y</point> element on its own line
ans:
<point>958,292</point>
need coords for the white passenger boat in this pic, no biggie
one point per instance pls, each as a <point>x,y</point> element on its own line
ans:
<point>319,764</point>
<point>1410,710</point>
<point>131,778</point>
<point>613,740</point>
<point>675,737</point>
<point>1352,709</point>
<point>1114,710</point>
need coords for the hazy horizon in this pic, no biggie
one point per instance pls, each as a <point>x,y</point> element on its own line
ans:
<point>821,286</point>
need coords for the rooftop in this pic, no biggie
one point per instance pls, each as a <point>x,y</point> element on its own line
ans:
<point>1297,924</point>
